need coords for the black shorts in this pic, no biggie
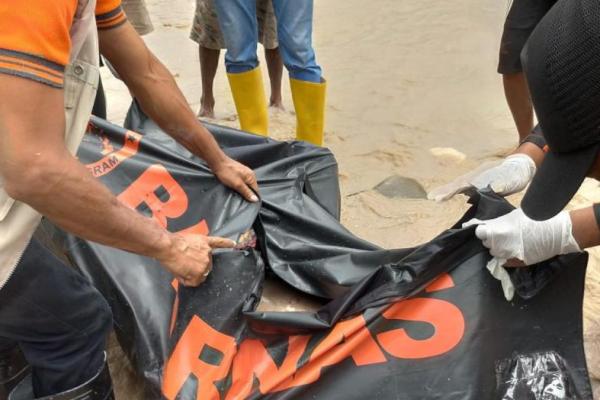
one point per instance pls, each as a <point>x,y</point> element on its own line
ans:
<point>523,17</point>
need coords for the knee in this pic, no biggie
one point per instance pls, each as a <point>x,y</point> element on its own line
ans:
<point>241,53</point>
<point>237,40</point>
<point>296,49</point>
<point>96,323</point>
<point>240,37</point>
<point>76,353</point>
<point>299,56</point>
<point>302,65</point>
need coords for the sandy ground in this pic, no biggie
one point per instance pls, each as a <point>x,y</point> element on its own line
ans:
<point>404,77</point>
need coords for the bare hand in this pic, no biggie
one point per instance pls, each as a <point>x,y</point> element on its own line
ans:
<point>189,258</point>
<point>238,177</point>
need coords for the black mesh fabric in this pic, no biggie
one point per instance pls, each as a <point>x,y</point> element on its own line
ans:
<point>567,97</point>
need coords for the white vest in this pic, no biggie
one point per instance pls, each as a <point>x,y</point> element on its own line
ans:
<point>18,221</point>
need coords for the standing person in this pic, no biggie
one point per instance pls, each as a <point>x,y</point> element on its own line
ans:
<point>138,17</point>
<point>562,66</point>
<point>522,19</point>
<point>48,80</point>
<point>237,19</point>
<point>206,32</point>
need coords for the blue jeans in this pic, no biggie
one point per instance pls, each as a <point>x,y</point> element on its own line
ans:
<point>237,19</point>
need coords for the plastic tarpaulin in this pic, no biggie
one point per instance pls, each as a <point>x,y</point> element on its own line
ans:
<point>419,323</point>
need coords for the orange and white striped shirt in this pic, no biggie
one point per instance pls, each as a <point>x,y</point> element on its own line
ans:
<point>34,36</point>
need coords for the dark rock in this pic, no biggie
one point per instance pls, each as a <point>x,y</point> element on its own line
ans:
<point>400,186</point>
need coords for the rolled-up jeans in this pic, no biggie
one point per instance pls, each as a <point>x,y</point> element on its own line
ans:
<point>237,19</point>
<point>57,318</point>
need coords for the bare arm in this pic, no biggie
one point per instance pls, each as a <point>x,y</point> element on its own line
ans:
<point>533,151</point>
<point>38,170</point>
<point>585,227</point>
<point>154,87</point>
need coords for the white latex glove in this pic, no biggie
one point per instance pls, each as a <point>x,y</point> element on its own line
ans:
<point>496,268</point>
<point>510,176</point>
<point>516,236</point>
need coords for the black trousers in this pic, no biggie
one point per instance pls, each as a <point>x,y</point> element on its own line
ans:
<point>57,318</point>
<point>523,17</point>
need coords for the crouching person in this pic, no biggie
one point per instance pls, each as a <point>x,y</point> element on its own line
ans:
<point>48,80</point>
<point>565,93</point>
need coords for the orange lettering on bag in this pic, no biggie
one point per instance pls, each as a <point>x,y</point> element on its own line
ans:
<point>186,361</point>
<point>444,281</point>
<point>111,159</point>
<point>447,320</point>
<point>349,338</point>
<point>253,360</point>
<point>143,191</point>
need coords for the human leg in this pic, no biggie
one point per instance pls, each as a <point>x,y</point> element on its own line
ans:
<point>519,102</point>
<point>237,19</point>
<point>58,319</point>
<point>294,32</point>
<point>267,36</point>
<point>523,17</point>
<point>209,62</point>
<point>275,67</point>
<point>294,22</point>
<point>207,34</point>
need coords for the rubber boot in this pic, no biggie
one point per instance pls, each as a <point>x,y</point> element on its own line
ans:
<point>13,369</point>
<point>309,102</point>
<point>250,101</point>
<point>97,388</point>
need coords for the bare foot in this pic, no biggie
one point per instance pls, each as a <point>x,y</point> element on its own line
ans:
<point>211,115</point>
<point>207,108</point>
<point>277,104</point>
<point>206,112</point>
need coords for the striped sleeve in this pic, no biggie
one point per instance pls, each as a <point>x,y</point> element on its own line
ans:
<point>34,39</point>
<point>109,14</point>
<point>33,67</point>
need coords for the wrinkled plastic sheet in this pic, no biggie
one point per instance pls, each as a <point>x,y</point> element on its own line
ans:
<point>427,322</point>
<point>538,376</point>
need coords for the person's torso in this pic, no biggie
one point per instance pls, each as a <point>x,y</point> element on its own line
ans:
<point>18,221</point>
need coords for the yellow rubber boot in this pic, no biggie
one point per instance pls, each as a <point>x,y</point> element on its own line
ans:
<point>250,101</point>
<point>309,102</point>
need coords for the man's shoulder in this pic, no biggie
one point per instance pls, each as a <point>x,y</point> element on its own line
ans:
<point>34,38</point>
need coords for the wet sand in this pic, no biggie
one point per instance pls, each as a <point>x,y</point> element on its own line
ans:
<point>404,77</point>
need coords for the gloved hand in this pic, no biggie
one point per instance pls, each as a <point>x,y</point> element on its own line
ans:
<point>515,236</point>
<point>510,176</point>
